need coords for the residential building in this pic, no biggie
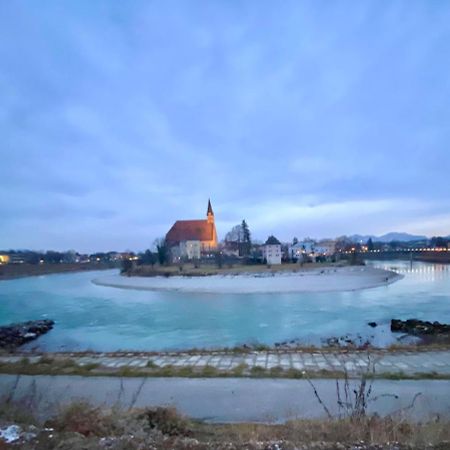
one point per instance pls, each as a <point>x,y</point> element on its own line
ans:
<point>271,251</point>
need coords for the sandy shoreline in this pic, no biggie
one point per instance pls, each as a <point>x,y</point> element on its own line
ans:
<point>317,280</point>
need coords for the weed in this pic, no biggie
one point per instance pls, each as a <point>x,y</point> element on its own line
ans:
<point>239,369</point>
<point>276,371</point>
<point>209,371</point>
<point>257,371</point>
<point>151,365</point>
<point>46,360</point>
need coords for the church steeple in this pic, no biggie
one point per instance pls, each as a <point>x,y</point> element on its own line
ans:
<point>210,213</point>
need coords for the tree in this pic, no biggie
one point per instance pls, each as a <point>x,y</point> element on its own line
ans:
<point>53,257</point>
<point>127,265</point>
<point>294,241</point>
<point>370,245</point>
<point>218,257</point>
<point>438,242</point>
<point>240,236</point>
<point>148,258</point>
<point>162,251</point>
<point>246,239</point>
<point>235,234</point>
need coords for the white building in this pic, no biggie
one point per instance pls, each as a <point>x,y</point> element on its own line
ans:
<point>271,251</point>
<point>187,250</point>
<point>311,249</point>
<point>301,250</point>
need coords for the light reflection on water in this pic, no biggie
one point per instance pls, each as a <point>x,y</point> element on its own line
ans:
<point>101,318</point>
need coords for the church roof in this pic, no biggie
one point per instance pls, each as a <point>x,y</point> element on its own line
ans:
<point>190,230</point>
<point>210,210</point>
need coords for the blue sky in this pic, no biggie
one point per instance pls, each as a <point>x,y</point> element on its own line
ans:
<point>316,118</point>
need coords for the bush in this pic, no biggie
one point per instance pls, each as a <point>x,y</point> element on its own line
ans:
<point>80,417</point>
<point>168,421</point>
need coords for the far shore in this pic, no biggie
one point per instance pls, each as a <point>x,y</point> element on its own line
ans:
<point>12,271</point>
<point>326,279</point>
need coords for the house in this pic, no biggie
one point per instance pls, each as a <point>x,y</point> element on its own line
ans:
<point>190,238</point>
<point>271,251</point>
<point>327,247</point>
<point>302,250</point>
<point>310,250</point>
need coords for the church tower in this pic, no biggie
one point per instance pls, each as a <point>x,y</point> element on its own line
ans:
<point>210,213</point>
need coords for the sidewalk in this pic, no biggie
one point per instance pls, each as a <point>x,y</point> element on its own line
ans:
<point>402,363</point>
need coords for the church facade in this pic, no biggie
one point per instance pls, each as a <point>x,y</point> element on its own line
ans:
<point>190,238</point>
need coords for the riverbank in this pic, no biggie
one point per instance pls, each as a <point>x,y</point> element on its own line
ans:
<point>328,279</point>
<point>405,363</point>
<point>232,399</point>
<point>13,271</point>
<point>41,413</point>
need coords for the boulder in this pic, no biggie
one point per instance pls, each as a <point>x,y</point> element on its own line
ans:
<point>14,335</point>
<point>419,327</point>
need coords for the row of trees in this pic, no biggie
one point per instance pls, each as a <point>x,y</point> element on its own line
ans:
<point>240,237</point>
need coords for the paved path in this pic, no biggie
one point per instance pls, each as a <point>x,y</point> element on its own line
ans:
<point>354,363</point>
<point>225,399</point>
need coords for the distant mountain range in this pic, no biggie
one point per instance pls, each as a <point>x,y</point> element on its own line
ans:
<point>389,237</point>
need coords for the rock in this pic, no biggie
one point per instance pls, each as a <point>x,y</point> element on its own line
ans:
<point>333,342</point>
<point>372,324</point>
<point>14,335</point>
<point>419,327</point>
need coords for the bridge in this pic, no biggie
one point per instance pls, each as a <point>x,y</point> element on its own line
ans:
<point>436,255</point>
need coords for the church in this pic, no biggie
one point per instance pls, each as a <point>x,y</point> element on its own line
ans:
<point>190,238</point>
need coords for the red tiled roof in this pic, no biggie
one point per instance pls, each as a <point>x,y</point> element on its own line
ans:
<point>190,230</point>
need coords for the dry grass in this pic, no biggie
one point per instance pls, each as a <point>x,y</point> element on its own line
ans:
<point>211,269</point>
<point>371,430</point>
<point>82,426</point>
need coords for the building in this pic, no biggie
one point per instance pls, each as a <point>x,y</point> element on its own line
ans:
<point>4,259</point>
<point>190,249</point>
<point>302,250</point>
<point>190,238</point>
<point>271,251</point>
<point>326,247</point>
<point>309,250</point>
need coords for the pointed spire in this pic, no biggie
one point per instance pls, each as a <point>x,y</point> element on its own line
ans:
<point>210,211</point>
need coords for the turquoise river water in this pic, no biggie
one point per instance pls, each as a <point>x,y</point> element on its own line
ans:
<point>107,319</point>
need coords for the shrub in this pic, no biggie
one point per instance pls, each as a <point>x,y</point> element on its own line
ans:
<point>168,421</point>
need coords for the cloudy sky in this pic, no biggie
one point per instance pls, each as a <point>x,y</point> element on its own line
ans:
<point>305,118</point>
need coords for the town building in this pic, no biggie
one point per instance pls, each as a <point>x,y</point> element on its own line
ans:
<point>311,250</point>
<point>4,259</point>
<point>271,251</point>
<point>302,250</point>
<point>190,239</point>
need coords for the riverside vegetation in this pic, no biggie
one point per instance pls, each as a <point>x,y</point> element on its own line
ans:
<point>81,426</point>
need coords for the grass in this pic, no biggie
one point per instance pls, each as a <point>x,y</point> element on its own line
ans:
<point>80,425</point>
<point>237,269</point>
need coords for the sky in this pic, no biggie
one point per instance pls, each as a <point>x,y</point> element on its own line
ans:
<point>318,118</point>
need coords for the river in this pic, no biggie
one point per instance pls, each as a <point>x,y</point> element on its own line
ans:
<point>91,317</point>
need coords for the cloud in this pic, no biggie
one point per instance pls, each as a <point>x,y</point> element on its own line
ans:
<point>304,118</point>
